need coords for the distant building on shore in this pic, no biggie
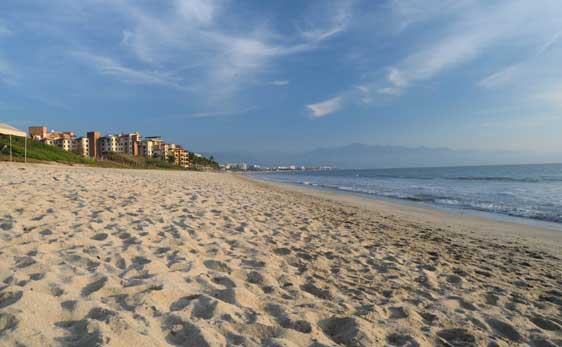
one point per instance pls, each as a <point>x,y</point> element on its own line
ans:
<point>108,144</point>
<point>38,132</point>
<point>81,146</point>
<point>236,166</point>
<point>94,149</point>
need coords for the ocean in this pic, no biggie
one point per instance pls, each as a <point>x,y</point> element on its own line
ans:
<point>528,192</point>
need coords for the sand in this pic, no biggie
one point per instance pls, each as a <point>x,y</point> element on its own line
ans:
<point>92,257</point>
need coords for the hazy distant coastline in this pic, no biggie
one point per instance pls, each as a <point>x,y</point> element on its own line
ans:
<point>361,156</point>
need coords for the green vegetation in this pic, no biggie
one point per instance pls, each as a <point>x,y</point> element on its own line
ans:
<point>202,162</point>
<point>129,161</point>
<point>39,152</point>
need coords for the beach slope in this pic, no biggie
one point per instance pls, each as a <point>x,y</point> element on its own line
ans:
<point>92,257</point>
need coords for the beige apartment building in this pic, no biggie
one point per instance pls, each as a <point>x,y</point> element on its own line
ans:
<point>146,148</point>
<point>129,143</point>
<point>149,147</point>
<point>163,151</point>
<point>108,144</point>
<point>181,156</point>
<point>65,142</point>
<point>81,146</point>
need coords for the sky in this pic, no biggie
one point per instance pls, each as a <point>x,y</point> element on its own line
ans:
<point>219,75</point>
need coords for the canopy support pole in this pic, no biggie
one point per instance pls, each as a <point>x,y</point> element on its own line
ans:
<point>25,150</point>
<point>10,148</point>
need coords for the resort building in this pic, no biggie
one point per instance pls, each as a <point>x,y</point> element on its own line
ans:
<point>181,156</point>
<point>66,143</point>
<point>129,143</point>
<point>81,146</point>
<point>108,144</point>
<point>38,133</point>
<point>164,151</point>
<point>94,144</point>
<point>150,145</point>
<point>62,139</point>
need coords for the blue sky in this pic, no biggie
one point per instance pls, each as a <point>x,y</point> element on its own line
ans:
<point>291,75</point>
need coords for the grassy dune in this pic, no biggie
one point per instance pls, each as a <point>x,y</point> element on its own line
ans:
<point>39,152</point>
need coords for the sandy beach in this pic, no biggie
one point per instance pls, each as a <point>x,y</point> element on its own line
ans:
<point>106,257</point>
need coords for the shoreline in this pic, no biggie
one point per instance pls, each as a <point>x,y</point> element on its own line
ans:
<point>505,198</point>
<point>547,238</point>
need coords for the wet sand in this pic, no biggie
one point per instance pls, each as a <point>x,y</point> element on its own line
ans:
<point>94,257</point>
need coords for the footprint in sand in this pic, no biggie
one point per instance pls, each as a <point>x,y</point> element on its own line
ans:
<point>217,266</point>
<point>401,340</point>
<point>204,307</point>
<point>8,322</point>
<point>80,334</point>
<point>345,331</point>
<point>545,324</point>
<point>183,302</point>
<point>94,286</point>
<point>455,338</point>
<point>23,262</point>
<point>504,329</point>
<point>100,237</point>
<point>9,297</point>
<point>285,321</point>
<point>101,314</point>
<point>182,333</point>
<point>69,305</point>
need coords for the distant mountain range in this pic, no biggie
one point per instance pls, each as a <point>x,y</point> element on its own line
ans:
<point>360,156</point>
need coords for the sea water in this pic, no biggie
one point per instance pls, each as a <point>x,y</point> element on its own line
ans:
<point>532,192</point>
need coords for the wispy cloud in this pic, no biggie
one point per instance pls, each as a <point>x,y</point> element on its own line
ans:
<point>213,114</point>
<point>527,66</point>
<point>468,31</point>
<point>446,54</point>
<point>551,94</point>
<point>196,31</point>
<point>327,21</point>
<point>405,14</point>
<point>279,83</point>
<point>326,107</point>
<point>501,77</point>
<point>110,67</point>
<point>6,72</point>
<point>4,30</point>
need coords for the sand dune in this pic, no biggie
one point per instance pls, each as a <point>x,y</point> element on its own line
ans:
<point>92,257</point>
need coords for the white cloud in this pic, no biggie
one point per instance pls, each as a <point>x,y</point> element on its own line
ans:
<point>110,67</point>
<point>326,107</point>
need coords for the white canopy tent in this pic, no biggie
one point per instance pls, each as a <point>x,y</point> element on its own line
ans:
<point>6,129</point>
